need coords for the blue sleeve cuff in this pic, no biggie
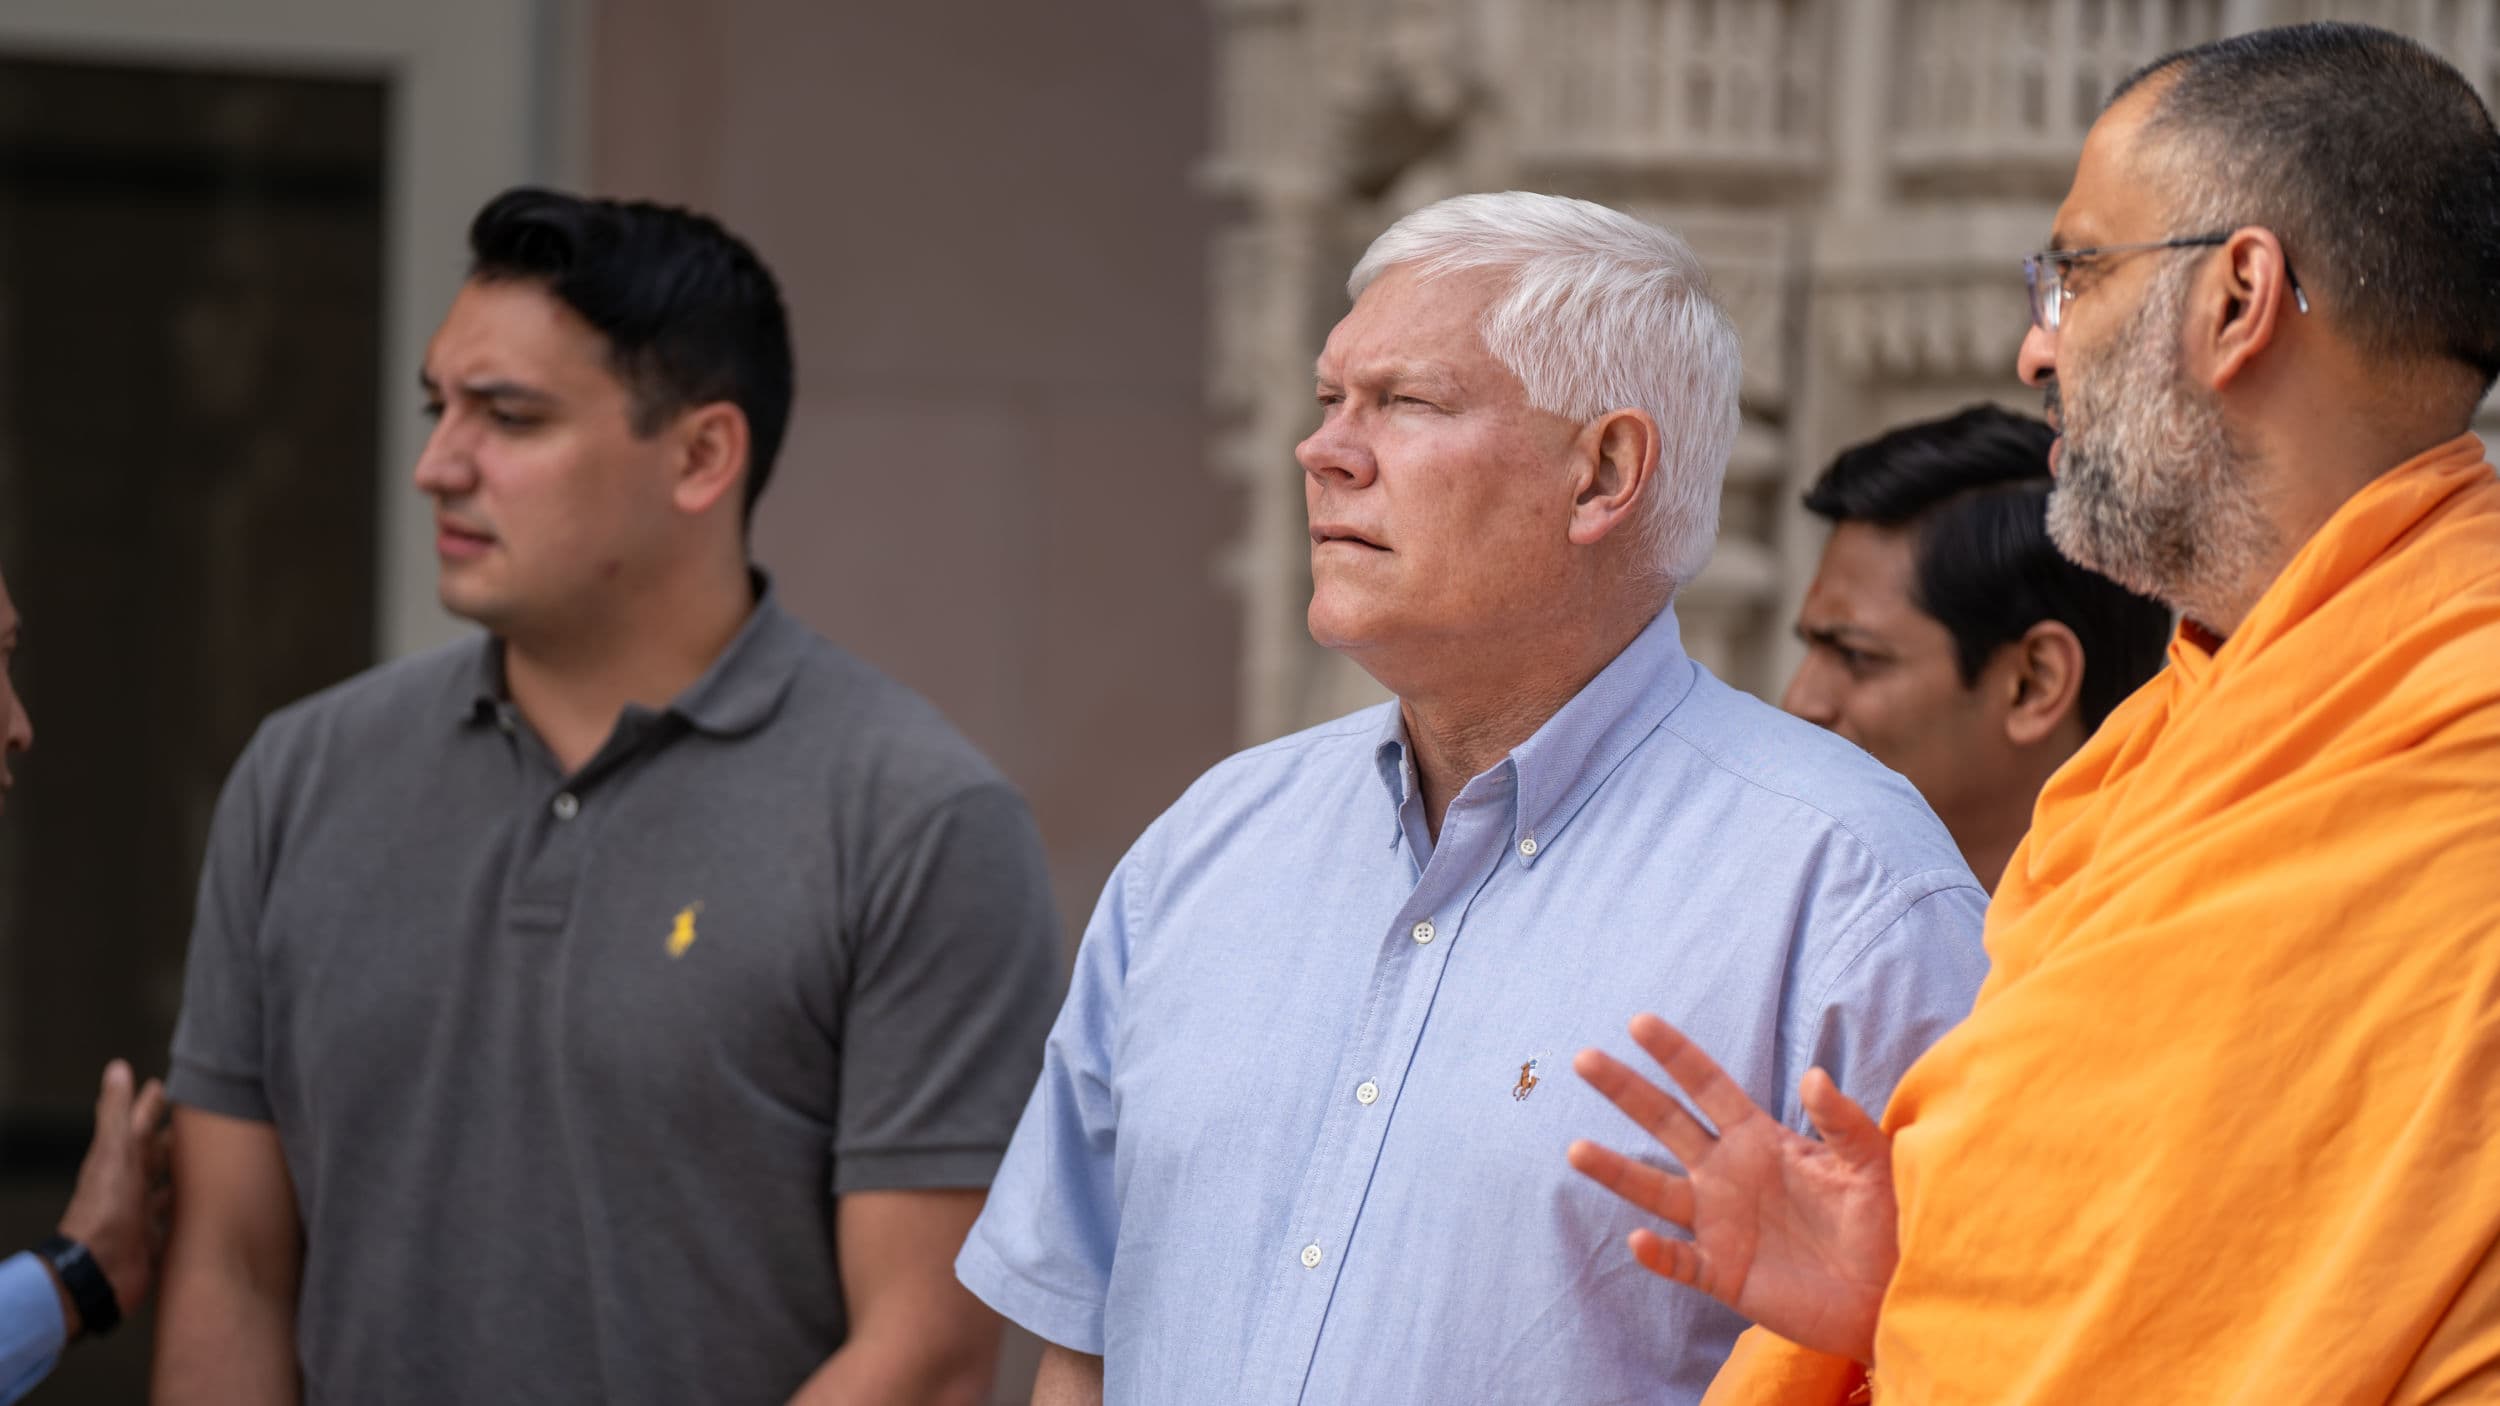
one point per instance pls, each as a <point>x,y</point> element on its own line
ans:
<point>1050,1316</point>
<point>32,1330</point>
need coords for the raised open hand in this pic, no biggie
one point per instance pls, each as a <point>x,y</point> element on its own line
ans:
<point>118,1210</point>
<point>1796,1235</point>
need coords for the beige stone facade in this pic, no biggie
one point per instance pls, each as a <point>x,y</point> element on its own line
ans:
<point>1862,176</point>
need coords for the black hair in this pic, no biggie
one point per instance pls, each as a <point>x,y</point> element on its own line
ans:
<point>1974,488</point>
<point>2370,157</point>
<point>690,314</point>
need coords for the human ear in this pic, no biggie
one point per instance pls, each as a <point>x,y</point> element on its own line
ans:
<point>712,455</point>
<point>2046,681</point>
<point>2247,299</point>
<point>1618,461</point>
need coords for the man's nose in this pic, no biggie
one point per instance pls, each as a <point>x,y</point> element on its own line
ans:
<point>2036,363</point>
<point>1334,453</point>
<point>21,727</point>
<point>1810,695</point>
<point>444,468</point>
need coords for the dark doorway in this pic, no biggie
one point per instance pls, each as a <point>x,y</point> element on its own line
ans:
<point>190,324</point>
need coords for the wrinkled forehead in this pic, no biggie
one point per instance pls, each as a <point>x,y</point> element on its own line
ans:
<point>1414,315</point>
<point>2120,184</point>
<point>511,323</point>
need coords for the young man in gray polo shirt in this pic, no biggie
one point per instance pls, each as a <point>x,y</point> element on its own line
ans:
<point>631,1005</point>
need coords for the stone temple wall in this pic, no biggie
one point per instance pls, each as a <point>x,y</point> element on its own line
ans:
<point>1861,176</point>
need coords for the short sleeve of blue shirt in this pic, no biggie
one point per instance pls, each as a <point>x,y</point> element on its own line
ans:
<point>1044,1262</point>
<point>1913,982</point>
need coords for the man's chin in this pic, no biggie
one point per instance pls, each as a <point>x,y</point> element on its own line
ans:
<point>2091,535</point>
<point>477,607</point>
<point>1329,632</point>
<point>2075,520</point>
<point>1340,621</point>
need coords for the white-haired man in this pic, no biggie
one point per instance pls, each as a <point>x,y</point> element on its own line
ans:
<point>1295,1138</point>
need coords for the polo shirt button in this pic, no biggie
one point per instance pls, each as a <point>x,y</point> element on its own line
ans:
<point>567,806</point>
<point>1423,931</point>
<point>1310,1257</point>
<point>1367,1093</point>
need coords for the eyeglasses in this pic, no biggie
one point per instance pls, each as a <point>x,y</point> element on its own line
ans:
<point>2044,273</point>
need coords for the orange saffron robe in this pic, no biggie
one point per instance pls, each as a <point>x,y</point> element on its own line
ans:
<point>2224,1124</point>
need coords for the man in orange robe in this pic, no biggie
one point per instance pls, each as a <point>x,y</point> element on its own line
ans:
<point>2224,1125</point>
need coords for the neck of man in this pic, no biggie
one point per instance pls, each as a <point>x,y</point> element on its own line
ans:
<point>645,646</point>
<point>2316,444</point>
<point>1989,857</point>
<point>1461,728</point>
<point>1988,844</point>
<point>1989,826</point>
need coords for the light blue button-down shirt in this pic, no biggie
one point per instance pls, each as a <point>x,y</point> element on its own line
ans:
<point>1299,1133</point>
<point>32,1331</point>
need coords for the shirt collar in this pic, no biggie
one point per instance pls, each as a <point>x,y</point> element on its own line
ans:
<point>1397,775</point>
<point>1563,763</point>
<point>486,693</point>
<point>738,693</point>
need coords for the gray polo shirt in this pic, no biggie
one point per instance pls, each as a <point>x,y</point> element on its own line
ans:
<point>569,1070</point>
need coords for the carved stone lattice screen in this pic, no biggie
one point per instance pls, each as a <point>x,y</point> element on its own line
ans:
<point>1861,176</point>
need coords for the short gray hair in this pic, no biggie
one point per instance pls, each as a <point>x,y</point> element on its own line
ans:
<point>1603,312</point>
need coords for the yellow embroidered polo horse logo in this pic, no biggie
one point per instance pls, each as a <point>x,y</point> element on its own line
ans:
<point>1527,1082</point>
<point>681,936</point>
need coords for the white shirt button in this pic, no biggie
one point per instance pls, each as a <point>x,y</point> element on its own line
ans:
<point>1367,1093</point>
<point>1527,848</point>
<point>567,806</point>
<point>1310,1257</point>
<point>1423,931</point>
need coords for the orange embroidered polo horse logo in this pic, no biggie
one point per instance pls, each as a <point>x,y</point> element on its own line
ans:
<point>1527,1082</point>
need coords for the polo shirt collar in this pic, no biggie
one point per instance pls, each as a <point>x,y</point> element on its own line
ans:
<point>738,693</point>
<point>744,687</point>
<point>486,692</point>
<point>1563,763</point>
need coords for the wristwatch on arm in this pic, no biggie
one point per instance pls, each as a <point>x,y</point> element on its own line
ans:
<point>83,1279</point>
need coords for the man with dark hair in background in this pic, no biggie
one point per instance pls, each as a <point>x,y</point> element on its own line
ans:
<point>2221,1125</point>
<point>630,1005</point>
<point>1946,634</point>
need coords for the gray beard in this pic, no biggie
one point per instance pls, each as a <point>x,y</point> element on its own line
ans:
<point>2151,490</point>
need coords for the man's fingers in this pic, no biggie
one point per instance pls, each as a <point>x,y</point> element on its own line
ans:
<point>112,1101</point>
<point>1646,1104</point>
<point>1696,1073</point>
<point>1663,1194</point>
<point>147,1112</point>
<point>1673,1259</point>
<point>1847,1131</point>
